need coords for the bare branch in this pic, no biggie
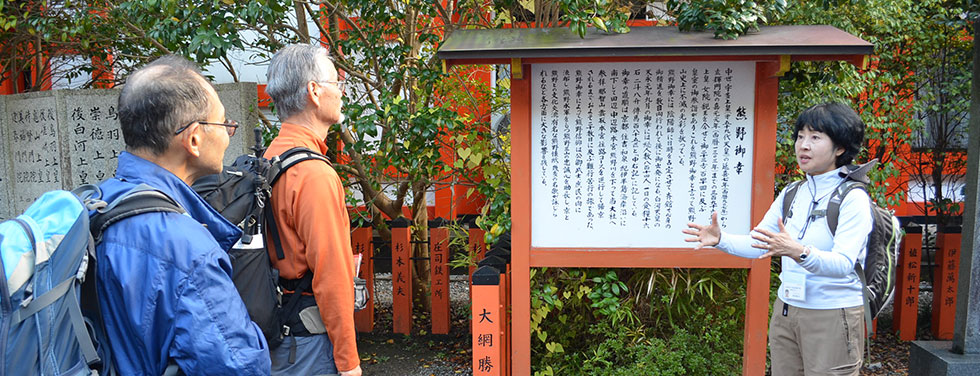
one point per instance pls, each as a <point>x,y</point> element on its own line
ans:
<point>226,62</point>
<point>339,59</point>
<point>265,121</point>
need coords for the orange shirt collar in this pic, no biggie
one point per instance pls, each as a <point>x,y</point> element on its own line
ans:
<point>301,136</point>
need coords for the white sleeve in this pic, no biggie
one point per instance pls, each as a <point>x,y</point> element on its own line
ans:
<point>853,226</point>
<point>741,245</point>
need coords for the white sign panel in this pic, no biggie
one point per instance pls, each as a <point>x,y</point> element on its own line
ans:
<point>624,155</point>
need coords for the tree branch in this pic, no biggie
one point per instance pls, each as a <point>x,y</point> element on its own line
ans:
<point>143,35</point>
<point>226,62</point>
<point>371,195</point>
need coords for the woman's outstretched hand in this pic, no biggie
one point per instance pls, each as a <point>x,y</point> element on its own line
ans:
<point>704,235</point>
<point>777,243</point>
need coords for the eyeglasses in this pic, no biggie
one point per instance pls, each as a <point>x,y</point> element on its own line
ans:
<point>231,126</point>
<point>341,84</point>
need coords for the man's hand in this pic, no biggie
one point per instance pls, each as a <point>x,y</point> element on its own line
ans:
<point>353,372</point>
<point>708,235</point>
<point>777,244</point>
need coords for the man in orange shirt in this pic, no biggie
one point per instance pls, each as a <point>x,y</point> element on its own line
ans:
<point>311,216</point>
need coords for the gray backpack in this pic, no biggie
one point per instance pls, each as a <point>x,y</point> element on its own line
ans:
<point>884,242</point>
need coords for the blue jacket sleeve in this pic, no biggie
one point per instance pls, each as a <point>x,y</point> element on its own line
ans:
<point>213,333</point>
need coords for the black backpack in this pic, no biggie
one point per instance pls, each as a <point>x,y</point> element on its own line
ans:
<point>241,193</point>
<point>884,242</point>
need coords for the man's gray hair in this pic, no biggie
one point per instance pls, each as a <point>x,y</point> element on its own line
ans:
<point>289,72</point>
<point>160,98</point>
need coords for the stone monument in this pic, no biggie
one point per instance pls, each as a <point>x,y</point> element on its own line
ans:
<point>65,138</point>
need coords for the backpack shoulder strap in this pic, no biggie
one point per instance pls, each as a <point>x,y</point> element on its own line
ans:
<point>141,199</point>
<point>284,161</point>
<point>791,190</point>
<point>294,156</point>
<point>836,198</point>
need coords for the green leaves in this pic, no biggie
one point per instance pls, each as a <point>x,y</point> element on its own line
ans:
<point>600,328</point>
<point>609,16</point>
<point>728,19</point>
<point>920,72</point>
<point>554,347</point>
<point>205,31</point>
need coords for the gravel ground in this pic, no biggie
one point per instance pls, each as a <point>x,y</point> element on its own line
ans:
<point>422,354</point>
<point>459,290</point>
<point>889,355</point>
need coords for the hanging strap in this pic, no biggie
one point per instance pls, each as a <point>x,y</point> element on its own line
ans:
<point>868,320</point>
<point>65,288</point>
<point>270,223</point>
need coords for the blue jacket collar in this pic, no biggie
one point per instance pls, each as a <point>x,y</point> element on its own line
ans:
<point>137,170</point>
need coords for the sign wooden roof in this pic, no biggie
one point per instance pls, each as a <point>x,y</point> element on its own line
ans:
<point>806,42</point>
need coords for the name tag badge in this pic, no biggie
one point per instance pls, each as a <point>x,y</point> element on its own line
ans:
<point>794,286</point>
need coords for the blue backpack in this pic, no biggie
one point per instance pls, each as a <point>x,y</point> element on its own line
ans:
<point>49,315</point>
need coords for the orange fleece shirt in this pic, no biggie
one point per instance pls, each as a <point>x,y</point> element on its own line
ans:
<point>311,215</point>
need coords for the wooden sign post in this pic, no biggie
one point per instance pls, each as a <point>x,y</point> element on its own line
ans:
<point>401,276</point>
<point>619,140</point>
<point>945,282</point>
<point>439,275</point>
<point>363,245</point>
<point>477,244</point>
<point>488,348</point>
<point>907,284</point>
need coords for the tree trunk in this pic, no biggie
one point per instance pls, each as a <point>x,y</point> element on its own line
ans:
<point>420,236</point>
<point>301,27</point>
<point>938,167</point>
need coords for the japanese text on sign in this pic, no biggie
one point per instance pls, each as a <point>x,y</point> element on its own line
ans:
<point>626,154</point>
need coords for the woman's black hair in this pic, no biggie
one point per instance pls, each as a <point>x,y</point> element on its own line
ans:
<point>840,123</point>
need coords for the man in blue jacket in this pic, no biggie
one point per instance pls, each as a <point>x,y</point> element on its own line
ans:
<point>164,279</point>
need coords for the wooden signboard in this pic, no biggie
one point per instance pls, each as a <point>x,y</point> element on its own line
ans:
<point>946,281</point>
<point>361,243</point>
<point>619,140</point>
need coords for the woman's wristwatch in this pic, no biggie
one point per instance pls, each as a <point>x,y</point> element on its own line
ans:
<point>806,252</point>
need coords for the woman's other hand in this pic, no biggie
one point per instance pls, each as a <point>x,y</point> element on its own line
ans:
<point>704,235</point>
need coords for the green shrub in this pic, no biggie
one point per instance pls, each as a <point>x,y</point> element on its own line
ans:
<point>709,346</point>
<point>632,321</point>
